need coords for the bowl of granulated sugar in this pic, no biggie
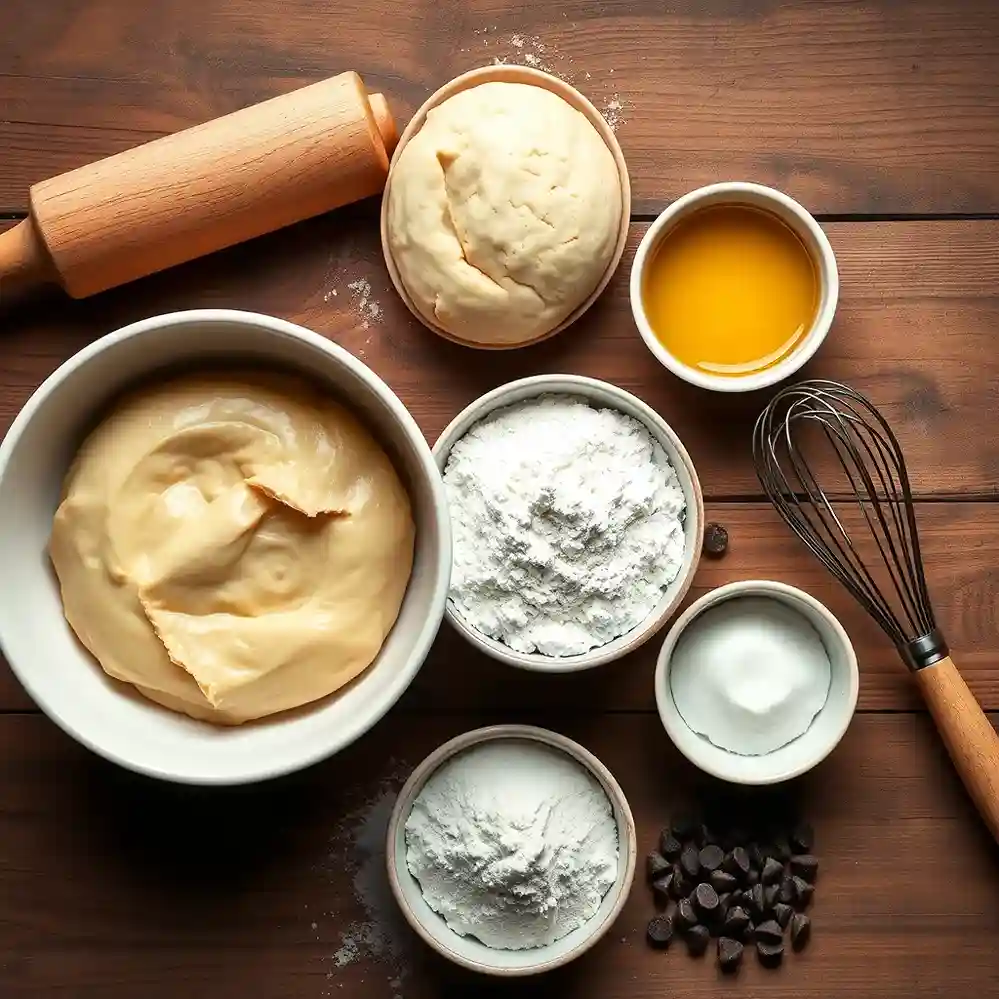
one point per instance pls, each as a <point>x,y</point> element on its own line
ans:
<point>511,850</point>
<point>577,518</point>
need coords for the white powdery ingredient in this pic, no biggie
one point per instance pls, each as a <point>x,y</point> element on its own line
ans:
<point>358,847</point>
<point>567,523</point>
<point>513,843</point>
<point>613,113</point>
<point>365,306</point>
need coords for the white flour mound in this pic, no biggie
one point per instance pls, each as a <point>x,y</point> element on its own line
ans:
<point>568,525</point>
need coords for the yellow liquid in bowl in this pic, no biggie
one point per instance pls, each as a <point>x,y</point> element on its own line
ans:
<point>731,290</point>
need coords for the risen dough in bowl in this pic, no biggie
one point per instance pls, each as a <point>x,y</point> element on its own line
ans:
<point>503,213</point>
<point>234,546</point>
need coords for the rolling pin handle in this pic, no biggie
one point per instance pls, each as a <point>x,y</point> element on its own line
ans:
<point>25,264</point>
<point>384,120</point>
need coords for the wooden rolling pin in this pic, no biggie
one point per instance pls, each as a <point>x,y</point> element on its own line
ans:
<point>208,187</point>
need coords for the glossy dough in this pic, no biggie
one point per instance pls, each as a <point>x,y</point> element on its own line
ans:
<point>504,211</point>
<point>234,546</point>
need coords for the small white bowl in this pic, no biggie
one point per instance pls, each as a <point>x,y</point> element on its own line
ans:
<point>808,749</point>
<point>467,951</point>
<point>111,718</point>
<point>793,215</point>
<point>605,395</point>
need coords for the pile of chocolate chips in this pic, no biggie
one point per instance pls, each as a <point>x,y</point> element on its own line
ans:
<point>740,887</point>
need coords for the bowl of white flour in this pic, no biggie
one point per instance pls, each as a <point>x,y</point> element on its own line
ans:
<point>577,517</point>
<point>511,850</point>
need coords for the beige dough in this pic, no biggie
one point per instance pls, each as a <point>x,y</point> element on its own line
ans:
<point>233,546</point>
<point>503,213</point>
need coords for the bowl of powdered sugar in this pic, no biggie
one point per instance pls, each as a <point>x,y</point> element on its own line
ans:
<point>511,850</point>
<point>577,517</point>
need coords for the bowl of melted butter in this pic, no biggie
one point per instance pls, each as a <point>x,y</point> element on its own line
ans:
<point>231,547</point>
<point>734,287</point>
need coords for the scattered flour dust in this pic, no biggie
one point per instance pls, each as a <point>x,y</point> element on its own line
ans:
<point>532,50</point>
<point>356,296</point>
<point>357,846</point>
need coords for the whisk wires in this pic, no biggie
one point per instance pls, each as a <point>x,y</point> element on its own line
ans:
<point>787,442</point>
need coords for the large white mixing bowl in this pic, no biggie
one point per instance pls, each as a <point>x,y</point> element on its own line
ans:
<point>110,717</point>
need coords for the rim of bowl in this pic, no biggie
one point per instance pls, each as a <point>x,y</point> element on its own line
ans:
<point>575,99</point>
<point>672,721</point>
<point>786,209</point>
<point>591,389</point>
<point>627,852</point>
<point>285,329</point>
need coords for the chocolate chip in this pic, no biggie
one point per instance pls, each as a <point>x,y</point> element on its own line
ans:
<point>736,921</point>
<point>801,930</point>
<point>724,899</point>
<point>698,937</point>
<point>729,954</point>
<point>722,881</point>
<point>669,846</point>
<point>753,878</point>
<point>705,900</point>
<point>803,837</point>
<point>770,897</point>
<point>805,866</point>
<point>773,871</point>
<point>787,893</point>
<point>757,900</point>
<point>660,931</point>
<point>737,863</point>
<point>769,932</point>
<point>656,866</point>
<point>690,861</point>
<point>684,827</point>
<point>803,892</point>
<point>711,858</point>
<point>662,888</point>
<point>685,914</point>
<point>783,914</point>
<point>770,954</point>
<point>715,540</point>
<point>756,857</point>
<point>781,849</point>
<point>682,885</point>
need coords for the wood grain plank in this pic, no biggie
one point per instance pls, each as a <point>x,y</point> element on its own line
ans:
<point>116,886</point>
<point>872,106</point>
<point>961,549</point>
<point>916,327</point>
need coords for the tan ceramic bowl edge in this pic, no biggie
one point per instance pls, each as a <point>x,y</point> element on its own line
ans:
<point>556,954</point>
<point>611,396</point>
<point>533,77</point>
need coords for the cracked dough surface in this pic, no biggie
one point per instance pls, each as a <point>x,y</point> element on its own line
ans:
<point>503,213</point>
<point>234,546</point>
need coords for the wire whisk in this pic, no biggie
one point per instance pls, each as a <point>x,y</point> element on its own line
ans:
<point>817,434</point>
<point>800,423</point>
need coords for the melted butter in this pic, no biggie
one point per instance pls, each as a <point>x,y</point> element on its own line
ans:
<point>232,546</point>
<point>731,290</point>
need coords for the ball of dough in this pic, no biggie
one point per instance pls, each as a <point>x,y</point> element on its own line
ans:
<point>503,213</point>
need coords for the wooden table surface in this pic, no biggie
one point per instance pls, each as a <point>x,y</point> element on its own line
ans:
<point>882,116</point>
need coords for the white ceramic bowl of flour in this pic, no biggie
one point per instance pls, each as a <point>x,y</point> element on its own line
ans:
<point>466,950</point>
<point>776,719</point>
<point>598,395</point>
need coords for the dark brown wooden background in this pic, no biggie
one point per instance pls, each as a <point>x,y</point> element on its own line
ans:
<point>883,118</point>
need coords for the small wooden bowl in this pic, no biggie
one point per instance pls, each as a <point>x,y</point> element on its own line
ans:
<point>533,77</point>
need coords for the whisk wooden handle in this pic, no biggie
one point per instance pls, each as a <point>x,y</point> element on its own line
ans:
<point>971,740</point>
